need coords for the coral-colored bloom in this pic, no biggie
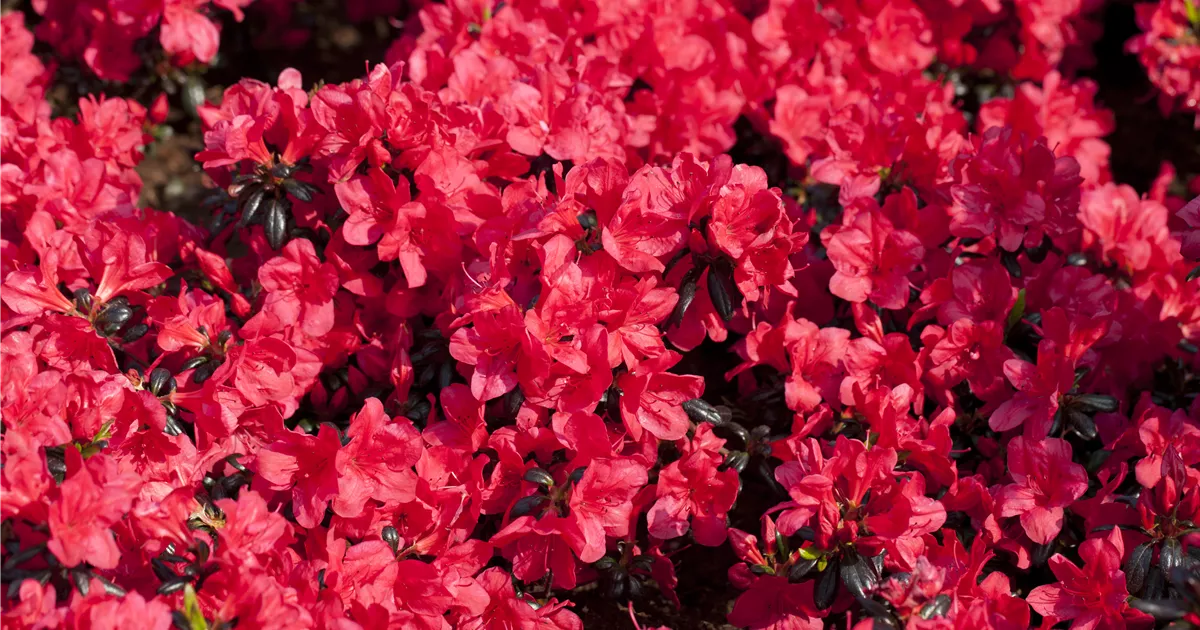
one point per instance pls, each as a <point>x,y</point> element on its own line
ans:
<point>1094,596</point>
<point>1045,481</point>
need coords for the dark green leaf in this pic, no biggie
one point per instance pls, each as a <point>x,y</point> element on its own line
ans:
<point>1170,557</point>
<point>161,382</point>
<point>858,574</point>
<point>699,410</point>
<point>1161,609</point>
<point>1137,567</point>
<point>687,293</point>
<point>1096,403</point>
<point>539,476</point>
<point>720,290</point>
<point>527,505</point>
<point>826,587</point>
<point>251,203</point>
<point>936,608</point>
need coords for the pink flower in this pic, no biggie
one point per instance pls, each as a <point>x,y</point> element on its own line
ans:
<point>300,288</point>
<point>651,399</point>
<point>1094,596</point>
<point>873,260</point>
<point>1045,481</point>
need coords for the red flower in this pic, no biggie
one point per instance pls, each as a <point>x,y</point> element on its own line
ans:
<point>774,602</point>
<point>1130,232</point>
<point>492,345</point>
<point>872,259</point>
<point>93,498</point>
<point>1012,187</point>
<point>300,288</point>
<point>1040,386</point>
<point>306,465</point>
<point>900,40</point>
<point>1094,596</point>
<point>694,487</point>
<point>270,371</point>
<point>354,117</point>
<point>602,502</point>
<point>1045,481</point>
<point>375,463</point>
<point>651,398</point>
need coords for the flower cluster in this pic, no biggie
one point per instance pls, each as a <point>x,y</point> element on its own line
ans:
<point>107,35</point>
<point>1169,48</point>
<point>503,319</point>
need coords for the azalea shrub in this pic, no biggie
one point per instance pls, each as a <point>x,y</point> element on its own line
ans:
<point>739,313</point>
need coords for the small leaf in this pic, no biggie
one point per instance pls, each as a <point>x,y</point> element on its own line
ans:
<point>1097,403</point>
<point>720,292</point>
<point>736,460</point>
<point>115,315</point>
<point>204,372</point>
<point>700,410</point>
<point>1017,312</point>
<point>809,553</point>
<point>527,505</point>
<point>1161,609</point>
<point>1170,557</point>
<point>1082,424</point>
<point>81,577</point>
<point>161,382</point>
<point>539,476</point>
<point>781,544</point>
<point>251,203</point>
<point>577,474</point>
<point>936,608</point>
<point>587,220</point>
<point>687,294</point>
<point>858,574</point>
<point>191,610</point>
<point>275,223</point>
<point>391,537</point>
<point>173,586</point>
<point>299,190</point>
<point>826,588</point>
<point>801,569</point>
<point>1137,567</point>
<point>193,362</point>
<point>135,332</point>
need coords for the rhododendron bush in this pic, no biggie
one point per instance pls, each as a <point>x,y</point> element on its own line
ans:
<point>659,313</point>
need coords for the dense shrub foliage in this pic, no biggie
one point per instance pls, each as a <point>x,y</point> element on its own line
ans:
<point>563,304</point>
